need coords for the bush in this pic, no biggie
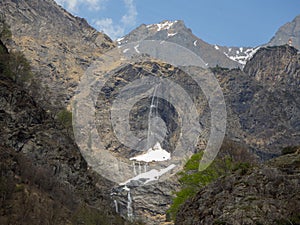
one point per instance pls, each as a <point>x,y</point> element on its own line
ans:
<point>289,150</point>
<point>15,66</point>
<point>65,118</point>
<point>5,33</point>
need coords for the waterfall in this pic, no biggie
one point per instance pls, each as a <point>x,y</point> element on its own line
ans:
<point>140,168</point>
<point>152,114</point>
<point>145,167</point>
<point>134,169</point>
<point>116,206</point>
<point>129,206</point>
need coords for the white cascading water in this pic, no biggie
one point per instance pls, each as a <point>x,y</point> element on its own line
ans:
<point>152,114</point>
<point>150,141</point>
<point>116,206</point>
<point>129,206</point>
<point>134,169</point>
<point>140,168</point>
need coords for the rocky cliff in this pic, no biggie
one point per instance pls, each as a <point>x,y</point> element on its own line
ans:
<point>59,46</point>
<point>263,114</point>
<point>268,194</point>
<point>262,101</point>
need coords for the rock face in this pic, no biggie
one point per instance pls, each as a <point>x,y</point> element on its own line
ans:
<point>177,32</point>
<point>43,158</point>
<point>275,66</point>
<point>145,202</point>
<point>263,113</point>
<point>265,195</point>
<point>59,46</point>
<point>289,31</point>
<point>262,101</point>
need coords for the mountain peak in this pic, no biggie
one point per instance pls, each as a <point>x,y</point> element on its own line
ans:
<point>177,32</point>
<point>164,25</point>
<point>289,33</point>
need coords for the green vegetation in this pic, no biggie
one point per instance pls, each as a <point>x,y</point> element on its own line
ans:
<point>5,33</point>
<point>289,150</point>
<point>65,118</point>
<point>232,158</point>
<point>14,64</point>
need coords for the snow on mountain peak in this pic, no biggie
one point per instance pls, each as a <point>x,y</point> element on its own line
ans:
<point>165,25</point>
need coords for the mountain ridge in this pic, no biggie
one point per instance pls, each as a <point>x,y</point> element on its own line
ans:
<point>177,32</point>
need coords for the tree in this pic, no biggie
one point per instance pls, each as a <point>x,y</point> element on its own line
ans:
<point>5,33</point>
<point>18,68</point>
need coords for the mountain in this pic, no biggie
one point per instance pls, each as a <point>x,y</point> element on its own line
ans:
<point>177,32</point>
<point>263,114</point>
<point>264,99</point>
<point>262,103</point>
<point>289,31</point>
<point>44,178</point>
<point>59,45</point>
<point>268,194</point>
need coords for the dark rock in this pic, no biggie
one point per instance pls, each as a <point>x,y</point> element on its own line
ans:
<point>265,195</point>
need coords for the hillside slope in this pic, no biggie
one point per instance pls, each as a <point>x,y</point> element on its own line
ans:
<point>59,46</point>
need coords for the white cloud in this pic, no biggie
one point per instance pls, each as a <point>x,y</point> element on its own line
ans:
<point>116,30</point>
<point>73,5</point>
<point>108,27</point>
<point>129,19</point>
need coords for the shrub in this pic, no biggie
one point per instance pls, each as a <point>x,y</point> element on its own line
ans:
<point>65,118</point>
<point>5,33</point>
<point>289,150</point>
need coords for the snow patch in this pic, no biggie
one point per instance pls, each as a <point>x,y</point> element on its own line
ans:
<point>217,47</point>
<point>149,176</point>
<point>171,34</point>
<point>119,40</point>
<point>136,49</point>
<point>242,56</point>
<point>195,43</point>
<point>157,153</point>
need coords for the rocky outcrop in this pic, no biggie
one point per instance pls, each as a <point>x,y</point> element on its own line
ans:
<point>289,33</point>
<point>263,100</point>
<point>275,66</point>
<point>264,195</point>
<point>59,46</point>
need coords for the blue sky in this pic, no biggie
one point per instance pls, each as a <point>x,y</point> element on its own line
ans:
<point>222,22</point>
